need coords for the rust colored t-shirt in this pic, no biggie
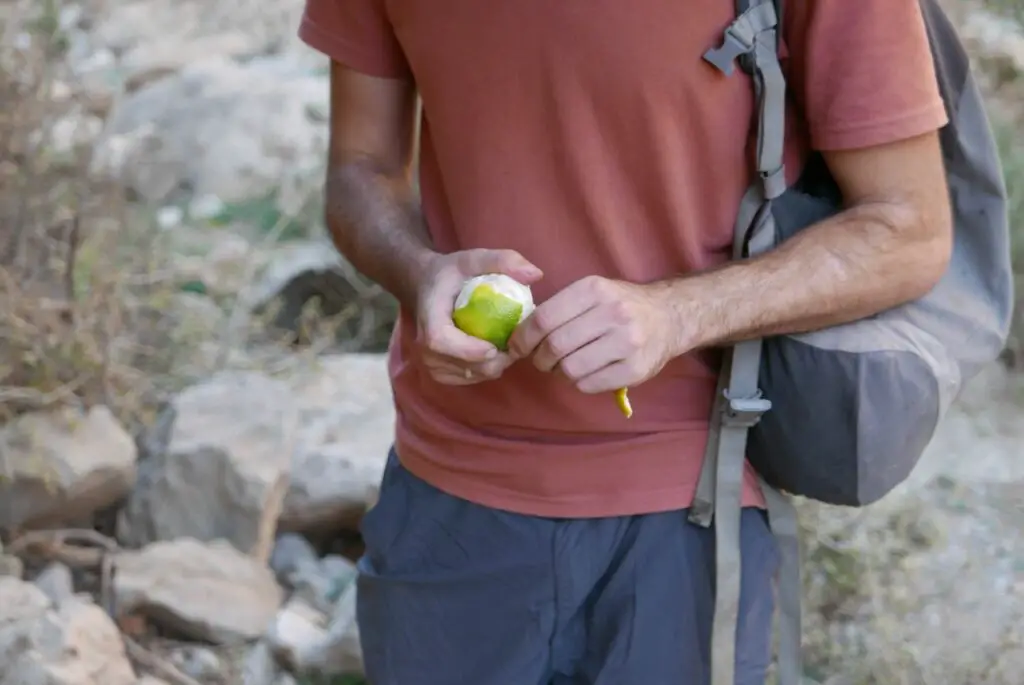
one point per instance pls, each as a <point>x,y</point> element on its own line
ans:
<point>591,137</point>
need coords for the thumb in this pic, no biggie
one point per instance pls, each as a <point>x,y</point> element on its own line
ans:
<point>440,336</point>
<point>508,262</point>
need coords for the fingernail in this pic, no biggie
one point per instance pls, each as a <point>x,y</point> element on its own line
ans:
<point>492,353</point>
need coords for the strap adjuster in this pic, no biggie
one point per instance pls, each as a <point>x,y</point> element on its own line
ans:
<point>745,412</point>
<point>733,46</point>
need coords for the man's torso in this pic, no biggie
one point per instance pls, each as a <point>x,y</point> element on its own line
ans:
<point>592,138</point>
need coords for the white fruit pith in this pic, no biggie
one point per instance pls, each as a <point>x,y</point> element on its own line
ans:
<point>503,285</point>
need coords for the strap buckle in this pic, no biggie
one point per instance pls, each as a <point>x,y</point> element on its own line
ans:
<point>733,46</point>
<point>745,412</point>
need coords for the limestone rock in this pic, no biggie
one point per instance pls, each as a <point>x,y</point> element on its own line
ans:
<point>216,466</point>
<point>73,644</point>
<point>205,591</point>
<point>59,466</point>
<point>347,427</point>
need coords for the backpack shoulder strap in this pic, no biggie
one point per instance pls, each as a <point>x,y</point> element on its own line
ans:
<point>752,42</point>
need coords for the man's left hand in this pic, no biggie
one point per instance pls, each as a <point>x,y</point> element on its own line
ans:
<point>602,334</point>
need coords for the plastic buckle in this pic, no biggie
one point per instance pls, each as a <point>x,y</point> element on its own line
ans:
<point>745,412</point>
<point>732,47</point>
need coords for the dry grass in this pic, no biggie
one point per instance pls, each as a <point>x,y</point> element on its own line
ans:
<point>79,290</point>
<point>90,299</point>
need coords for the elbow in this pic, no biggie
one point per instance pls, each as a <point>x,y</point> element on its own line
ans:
<point>931,250</point>
<point>355,179</point>
<point>347,189</point>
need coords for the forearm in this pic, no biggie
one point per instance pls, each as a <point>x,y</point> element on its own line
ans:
<point>856,264</point>
<point>375,221</point>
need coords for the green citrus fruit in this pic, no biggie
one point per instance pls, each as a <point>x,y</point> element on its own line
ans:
<point>490,307</point>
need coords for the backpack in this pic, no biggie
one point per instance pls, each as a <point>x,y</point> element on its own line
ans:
<point>843,415</point>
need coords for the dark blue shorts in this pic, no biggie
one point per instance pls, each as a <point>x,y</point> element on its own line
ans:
<point>454,593</point>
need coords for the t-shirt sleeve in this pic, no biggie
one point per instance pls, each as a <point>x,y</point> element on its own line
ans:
<point>862,71</point>
<point>356,33</point>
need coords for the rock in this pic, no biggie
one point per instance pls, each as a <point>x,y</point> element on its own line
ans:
<point>11,566</point>
<point>309,260</point>
<point>60,466</point>
<point>304,271</point>
<point>340,651</point>
<point>307,641</point>
<point>296,634</point>
<point>215,128</point>
<point>197,662</point>
<point>190,27</point>
<point>146,63</point>
<point>56,582</point>
<point>151,680</point>
<point>320,584</point>
<point>74,644</point>
<point>337,566</point>
<point>205,591</point>
<point>259,666</point>
<point>169,217</point>
<point>216,466</point>
<point>123,46</point>
<point>291,553</point>
<point>347,419</point>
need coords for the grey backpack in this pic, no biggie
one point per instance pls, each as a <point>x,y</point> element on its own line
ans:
<point>842,415</point>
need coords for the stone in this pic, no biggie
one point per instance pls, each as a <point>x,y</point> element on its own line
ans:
<point>214,127</point>
<point>347,420</point>
<point>73,644</point>
<point>259,666</point>
<point>321,583</point>
<point>306,641</point>
<point>291,553</point>
<point>206,591</point>
<point>216,466</point>
<point>296,633</point>
<point>307,271</point>
<point>11,566</point>
<point>56,582</point>
<point>60,466</point>
<point>197,662</point>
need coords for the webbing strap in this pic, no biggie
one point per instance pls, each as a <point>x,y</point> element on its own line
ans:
<point>739,404</point>
<point>770,91</point>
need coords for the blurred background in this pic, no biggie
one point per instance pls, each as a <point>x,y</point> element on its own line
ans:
<point>194,410</point>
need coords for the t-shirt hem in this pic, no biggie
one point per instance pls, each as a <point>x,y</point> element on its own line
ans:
<point>372,63</point>
<point>633,503</point>
<point>931,117</point>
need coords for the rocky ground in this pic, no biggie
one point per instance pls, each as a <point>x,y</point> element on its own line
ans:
<point>225,554</point>
<point>212,542</point>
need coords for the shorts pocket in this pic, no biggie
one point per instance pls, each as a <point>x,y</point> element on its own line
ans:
<point>399,529</point>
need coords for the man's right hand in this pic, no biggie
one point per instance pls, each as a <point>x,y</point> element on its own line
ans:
<point>451,356</point>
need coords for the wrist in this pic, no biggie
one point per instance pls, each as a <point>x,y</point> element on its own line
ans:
<point>418,266</point>
<point>421,265</point>
<point>694,320</point>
